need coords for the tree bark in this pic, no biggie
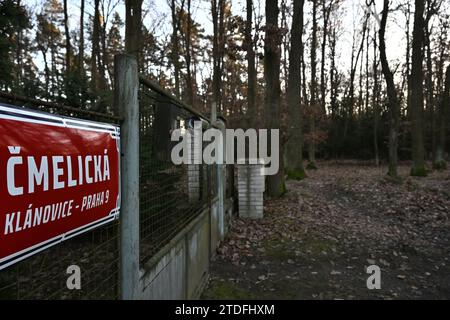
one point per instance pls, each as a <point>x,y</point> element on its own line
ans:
<point>275,186</point>
<point>393,101</point>
<point>189,82</point>
<point>81,73</point>
<point>430,93</point>
<point>95,47</point>
<point>313,93</point>
<point>354,66</point>
<point>175,48</point>
<point>294,148</point>
<point>218,10</point>
<point>375,100</point>
<point>251,68</point>
<point>133,27</point>
<point>67,34</point>
<point>439,162</point>
<point>326,11</point>
<point>81,43</point>
<point>416,101</point>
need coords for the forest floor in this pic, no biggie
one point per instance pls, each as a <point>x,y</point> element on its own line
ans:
<point>317,241</point>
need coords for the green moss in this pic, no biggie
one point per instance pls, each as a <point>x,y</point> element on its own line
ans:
<point>296,174</point>
<point>418,172</point>
<point>278,253</point>
<point>311,166</point>
<point>440,165</point>
<point>227,290</point>
<point>312,244</point>
<point>316,246</point>
<point>277,192</point>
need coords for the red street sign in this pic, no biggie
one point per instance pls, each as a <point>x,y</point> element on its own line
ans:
<point>59,177</point>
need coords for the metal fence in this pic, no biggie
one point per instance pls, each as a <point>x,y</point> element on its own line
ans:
<point>43,276</point>
<point>170,195</point>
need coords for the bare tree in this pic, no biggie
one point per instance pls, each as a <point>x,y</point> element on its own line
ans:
<point>218,12</point>
<point>275,186</point>
<point>439,162</point>
<point>417,95</point>
<point>294,148</point>
<point>81,42</point>
<point>313,92</point>
<point>187,41</point>
<point>326,12</point>
<point>393,101</point>
<point>175,46</point>
<point>133,26</point>
<point>375,101</point>
<point>251,68</point>
<point>67,34</point>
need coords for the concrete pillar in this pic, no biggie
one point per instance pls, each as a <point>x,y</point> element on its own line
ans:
<point>126,102</point>
<point>251,190</point>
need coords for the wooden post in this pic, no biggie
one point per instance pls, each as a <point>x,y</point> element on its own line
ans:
<point>126,102</point>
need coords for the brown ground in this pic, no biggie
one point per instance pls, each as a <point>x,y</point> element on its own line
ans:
<point>316,242</point>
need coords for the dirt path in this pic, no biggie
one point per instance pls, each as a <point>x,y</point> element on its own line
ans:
<point>316,242</point>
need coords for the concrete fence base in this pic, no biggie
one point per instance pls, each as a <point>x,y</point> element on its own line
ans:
<point>180,270</point>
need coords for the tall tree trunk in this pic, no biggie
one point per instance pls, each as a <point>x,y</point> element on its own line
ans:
<point>439,162</point>
<point>416,101</point>
<point>104,54</point>
<point>98,81</point>
<point>80,62</point>
<point>218,10</point>
<point>251,69</point>
<point>133,27</point>
<point>19,59</point>
<point>275,186</point>
<point>326,11</point>
<point>408,53</point>
<point>366,103</point>
<point>189,84</point>
<point>67,34</point>
<point>393,101</point>
<point>305,99</point>
<point>334,83</point>
<point>354,66</point>
<point>175,48</point>
<point>285,50</point>
<point>375,105</point>
<point>430,93</point>
<point>313,98</point>
<point>81,42</point>
<point>95,47</point>
<point>333,74</point>
<point>294,147</point>
<point>46,74</point>
<point>360,95</point>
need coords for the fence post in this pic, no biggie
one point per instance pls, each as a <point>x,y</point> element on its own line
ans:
<point>221,179</point>
<point>126,102</point>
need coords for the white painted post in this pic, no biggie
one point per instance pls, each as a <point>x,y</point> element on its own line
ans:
<point>126,102</point>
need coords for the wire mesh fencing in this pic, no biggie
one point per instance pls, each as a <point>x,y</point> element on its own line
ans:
<point>170,195</point>
<point>96,252</point>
